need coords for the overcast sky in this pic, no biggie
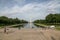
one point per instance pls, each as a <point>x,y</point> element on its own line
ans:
<point>26,9</point>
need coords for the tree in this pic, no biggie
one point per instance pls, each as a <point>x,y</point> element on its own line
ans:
<point>9,21</point>
<point>53,18</point>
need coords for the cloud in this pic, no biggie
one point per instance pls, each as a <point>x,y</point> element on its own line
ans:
<point>32,10</point>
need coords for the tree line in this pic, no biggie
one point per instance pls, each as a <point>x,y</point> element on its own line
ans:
<point>9,21</point>
<point>50,19</point>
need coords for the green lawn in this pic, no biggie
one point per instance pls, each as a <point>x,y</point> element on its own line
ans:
<point>57,27</point>
<point>40,25</point>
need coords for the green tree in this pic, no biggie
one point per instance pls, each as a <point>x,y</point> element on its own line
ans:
<point>53,18</point>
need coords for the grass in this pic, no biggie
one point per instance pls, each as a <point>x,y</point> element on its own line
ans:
<point>1,27</point>
<point>57,27</point>
<point>40,25</point>
<point>13,25</point>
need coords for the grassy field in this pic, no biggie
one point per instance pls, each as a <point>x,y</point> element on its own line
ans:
<point>47,25</point>
<point>57,27</point>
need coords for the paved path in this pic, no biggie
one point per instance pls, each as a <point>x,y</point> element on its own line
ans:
<point>31,34</point>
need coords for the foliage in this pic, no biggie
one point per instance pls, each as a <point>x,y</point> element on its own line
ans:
<point>9,21</point>
<point>50,19</point>
<point>53,18</point>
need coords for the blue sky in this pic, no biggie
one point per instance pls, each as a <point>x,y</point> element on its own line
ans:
<point>29,9</point>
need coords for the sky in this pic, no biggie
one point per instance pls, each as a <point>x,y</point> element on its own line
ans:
<point>29,9</point>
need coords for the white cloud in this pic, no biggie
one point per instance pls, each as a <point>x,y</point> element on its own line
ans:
<point>39,10</point>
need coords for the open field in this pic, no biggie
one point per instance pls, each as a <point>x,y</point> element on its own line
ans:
<point>57,27</point>
<point>30,34</point>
